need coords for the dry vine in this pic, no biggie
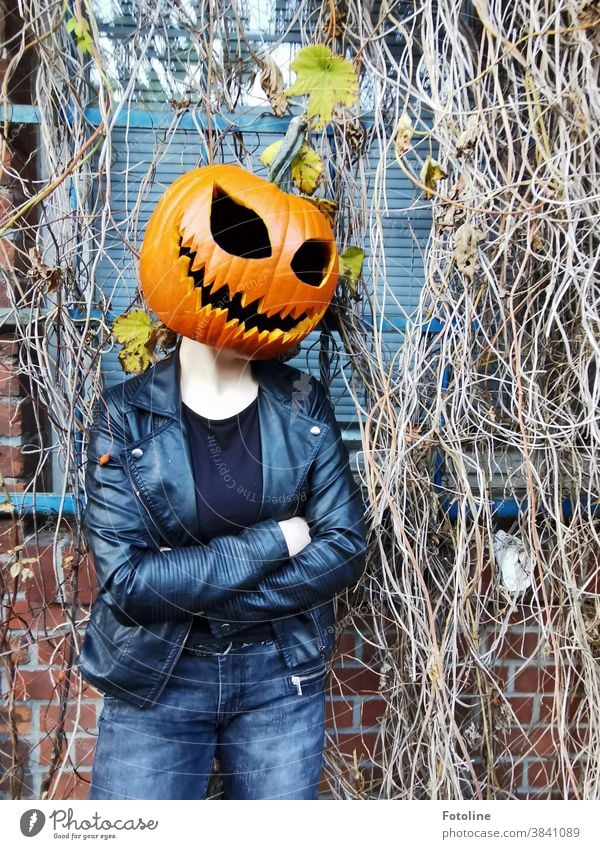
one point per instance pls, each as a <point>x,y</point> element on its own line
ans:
<point>492,395</point>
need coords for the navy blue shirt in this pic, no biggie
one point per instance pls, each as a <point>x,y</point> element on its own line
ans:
<point>226,461</point>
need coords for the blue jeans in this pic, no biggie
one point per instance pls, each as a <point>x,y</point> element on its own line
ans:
<point>264,723</point>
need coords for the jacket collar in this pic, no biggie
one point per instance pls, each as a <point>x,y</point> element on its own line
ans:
<point>158,389</point>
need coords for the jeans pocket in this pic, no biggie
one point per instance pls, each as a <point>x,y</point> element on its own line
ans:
<point>308,683</point>
<point>108,704</point>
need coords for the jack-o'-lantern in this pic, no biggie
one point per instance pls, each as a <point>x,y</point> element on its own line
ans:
<point>230,260</point>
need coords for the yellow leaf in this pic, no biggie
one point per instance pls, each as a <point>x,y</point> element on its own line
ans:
<point>270,152</point>
<point>431,173</point>
<point>351,266</point>
<point>327,78</point>
<point>135,361</point>
<point>306,169</point>
<point>134,330</point>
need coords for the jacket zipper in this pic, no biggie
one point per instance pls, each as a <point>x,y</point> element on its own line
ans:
<point>298,680</point>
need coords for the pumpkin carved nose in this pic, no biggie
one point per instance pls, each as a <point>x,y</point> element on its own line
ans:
<point>311,261</point>
<point>236,229</point>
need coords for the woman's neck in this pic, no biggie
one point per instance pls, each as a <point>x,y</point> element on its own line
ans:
<point>215,383</point>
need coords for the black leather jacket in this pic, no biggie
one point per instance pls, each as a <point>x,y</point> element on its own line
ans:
<point>142,527</point>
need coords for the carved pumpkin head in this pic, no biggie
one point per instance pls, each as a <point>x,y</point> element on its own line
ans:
<point>230,260</point>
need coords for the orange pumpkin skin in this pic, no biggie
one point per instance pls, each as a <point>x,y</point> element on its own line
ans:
<point>230,260</point>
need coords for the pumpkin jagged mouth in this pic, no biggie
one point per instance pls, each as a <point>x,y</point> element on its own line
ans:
<point>220,298</point>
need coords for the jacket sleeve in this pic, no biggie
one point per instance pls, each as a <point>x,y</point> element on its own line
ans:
<point>335,557</point>
<point>139,582</point>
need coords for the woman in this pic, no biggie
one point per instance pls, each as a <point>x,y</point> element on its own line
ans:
<point>223,520</point>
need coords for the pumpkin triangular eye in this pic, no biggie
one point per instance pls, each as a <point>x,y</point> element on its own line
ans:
<point>311,261</point>
<point>237,229</point>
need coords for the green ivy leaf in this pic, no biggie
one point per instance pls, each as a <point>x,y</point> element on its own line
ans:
<point>329,80</point>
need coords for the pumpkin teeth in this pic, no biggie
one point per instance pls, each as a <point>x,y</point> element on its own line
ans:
<point>215,299</point>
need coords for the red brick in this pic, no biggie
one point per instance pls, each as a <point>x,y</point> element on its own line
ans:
<point>81,754</point>
<point>49,717</point>
<point>354,681</point>
<point>70,786</point>
<point>40,685</point>
<point>36,616</point>
<point>522,707</point>
<point>8,258</point>
<point>364,744</point>
<point>13,485</point>
<point>542,773</point>
<point>12,461</point>
<point>81,569</point>
<point>500,674</point>
<point>85,749</point>
<point>9,347</point>
<point>42,589</point>
<point>50,616</point>
<point>535,679</point>
<point>7,205</point>
<point>369,651</point>
<point>19,770</point>
<point>21,718</point>
<point>22,650</point>
<point>508,776</point>
<point>371,712</point>
<point>52,651</point>
<point>45,749</point>
<point>346,643</point>
<point>549,712</point>
<point>10,419</point>
<point>539,742</point>
<point>22,615</point>
<point>518,645</point>
<point>339,714</point>
<point>10,383</point>
<point>9,534</point>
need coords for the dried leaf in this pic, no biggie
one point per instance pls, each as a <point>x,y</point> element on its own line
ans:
<point>41,274</point>
<point>271,82</point>
<point>466,240</point>
<point>403,135</point>
<point>15,570</point>
<point>327,207</point>
<point>468,137</point>
<point>431,173</point>
<point>328,79</point>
